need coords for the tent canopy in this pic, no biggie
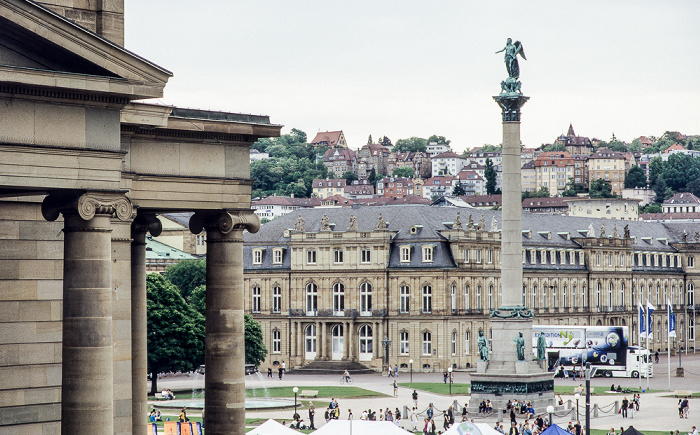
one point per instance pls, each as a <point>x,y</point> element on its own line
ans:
<point>467,428</point>
<point>271,427</point>
<point>555,430</point>
<point>632,431</point>
<point>342,427</point>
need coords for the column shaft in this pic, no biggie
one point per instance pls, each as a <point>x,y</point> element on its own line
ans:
<point>87,366</point>
<point>139,343</point>
<point>511,235</point>
<point>225,334</point>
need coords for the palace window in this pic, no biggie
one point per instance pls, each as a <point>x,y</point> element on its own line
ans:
<point>466,297</point>
<point>256,300</point>
<point>276,299</point>
<point>257,256</point>
<point>544,296</point>
<point>490,296</point>
<point>453,298</point>
<point>427,343</point>
<point>427,306</point>
<point>691,294</point>
<point>365,298</point>
<point>691,261</point>
<point>404,306</point>
<point>311,299</point>
<point>478,255</point>
<point>338,297</point>
<point>564,297</point>
<point>276,341</point>
<point>311,256</point>
<point>405,254</point>
<point>622,294</point>
<point>338,256</point>
<point>454,343</point>
<point>403,343</point>
<point>428,254</point>
<point>365,255</point>
<point>554,297</point>
<point>573,296</point>
<point>466,255</point>
<point>277,256</point>
<point>466,342</point>
<point>478,297</point>
<point>610,295</point>
<point>490,257</point>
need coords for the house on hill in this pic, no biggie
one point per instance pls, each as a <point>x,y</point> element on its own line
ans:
<point>331,139</point>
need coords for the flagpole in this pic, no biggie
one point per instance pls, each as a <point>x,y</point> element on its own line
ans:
<point>639,307</point>
<point>648,322</point>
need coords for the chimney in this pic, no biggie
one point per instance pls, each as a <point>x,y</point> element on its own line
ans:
<point>104,17</point>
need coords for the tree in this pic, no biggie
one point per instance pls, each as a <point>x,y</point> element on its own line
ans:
<point>175,330</point>
<point>661,190</point>
<point>554,147</point>
<point>490,175</point>
<point>372,176</point>
<point>404,172</point>
<point>298,136</point>
<point>459,190</point>
<point>411,145</point>
<point>369,140</point>
<point>655,170</point>
<point>600,189</point>
<point>635,177</point>
<point>349,177</point>
<point>255,351</point>
<point>650,208</point>
<point>385,142</point>
<point>439,140</point>
<point>186,275</point>
<point>487,149</point>
<point>542,192</point>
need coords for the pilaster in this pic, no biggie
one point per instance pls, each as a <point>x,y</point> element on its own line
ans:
<point>225,330</point>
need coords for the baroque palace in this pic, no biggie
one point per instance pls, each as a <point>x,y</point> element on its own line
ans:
<point>334,284</point>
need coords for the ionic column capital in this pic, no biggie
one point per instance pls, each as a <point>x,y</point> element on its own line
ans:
<point>225,222</point>
<point>87,205</point>
<point>146,223</point>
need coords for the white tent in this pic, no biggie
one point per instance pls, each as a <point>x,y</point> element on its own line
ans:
<point>271,427</point>
<point>359,427</point>
<point>467,428</point>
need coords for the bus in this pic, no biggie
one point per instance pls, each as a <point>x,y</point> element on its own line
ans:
<point>569,348</point>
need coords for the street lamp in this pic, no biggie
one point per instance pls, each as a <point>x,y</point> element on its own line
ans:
<point>386,342</point>
<point>410,361</point>
<point>296,390</point>
<point>550,411</point>
<point>449,373</point>
<point>577,396</point>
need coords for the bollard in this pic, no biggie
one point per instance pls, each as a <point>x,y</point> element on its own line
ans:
<point>617,407</point>
<point>595,410</point>
<point>569,404</point>
<point>406,413</point>
<point>499,416</point>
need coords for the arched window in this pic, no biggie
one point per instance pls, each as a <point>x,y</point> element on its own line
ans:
<point>403,342</point>
<point>454,298</point>
<point>544,296</point>
<point>338,298</point>
<point>427,306</point>
<point>490,297</point>
<point>622,294</point>
<point>534,296</point>
<point>427,343</point>
<point>466,342</point>
<point>524,295</point>
<point>366,342</point>
<point>478,297</point>
<point>597,295</point>
<point>365,299</point>
<point>610,295</point>
<point>564,297</point>
<point>554,297</point>
<point>658,293</point>
<point>310,341</point>
<point>573,296</point>
<point>311,299</point>
<point>454,343</point>
<point>691,295</point>
<point>404,296</point>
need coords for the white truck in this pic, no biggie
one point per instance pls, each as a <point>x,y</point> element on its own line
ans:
<point>568,348</point>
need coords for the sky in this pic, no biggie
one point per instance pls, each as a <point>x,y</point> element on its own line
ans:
<point>405,68</point>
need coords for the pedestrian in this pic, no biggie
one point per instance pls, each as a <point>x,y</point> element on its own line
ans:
<point>414,419</point>
<point>577,428</point>
<point>693,432</point>
<point>284,368</point>
<point>279,371</point>
<point>625,405</point>
<point>444,377</point>
<point>396,370</point>
<point>429,412</point>
<point>513,428</point>
<point>269,371</point>
<point>396,389</point>
<point>415,398</point>
<point>312,413</point>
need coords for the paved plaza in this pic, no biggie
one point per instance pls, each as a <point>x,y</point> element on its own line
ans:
<point>657,412</point>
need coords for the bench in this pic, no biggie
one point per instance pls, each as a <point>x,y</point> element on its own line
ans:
<point>308,393</point>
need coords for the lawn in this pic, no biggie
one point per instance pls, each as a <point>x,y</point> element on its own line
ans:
<point>438,388</point>
<point>323,391</point>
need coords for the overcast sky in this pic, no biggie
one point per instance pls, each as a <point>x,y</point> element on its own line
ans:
<point>415,68</point>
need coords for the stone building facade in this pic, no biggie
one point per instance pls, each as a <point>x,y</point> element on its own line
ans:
<point>337,282</point>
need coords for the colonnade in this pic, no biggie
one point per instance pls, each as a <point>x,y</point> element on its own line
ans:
<point>88,353</point>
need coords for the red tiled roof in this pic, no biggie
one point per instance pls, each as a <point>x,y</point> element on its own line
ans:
<point>342,154</point>
<point>675,147</point>
<point>545,202</point>
<point>448,155</point>
<point>330,138</point>
<point>682,198</point>
<point>667,216</point>
<point>287,200</point>
<point>482,199</point>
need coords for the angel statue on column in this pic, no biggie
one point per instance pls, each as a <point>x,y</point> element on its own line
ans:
<point>511,57</point>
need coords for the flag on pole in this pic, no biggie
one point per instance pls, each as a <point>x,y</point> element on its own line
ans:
<point>642,322</point>
<point>650,309</point>
<point>671,321</point>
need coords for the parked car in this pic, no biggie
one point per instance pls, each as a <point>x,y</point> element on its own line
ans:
<point>250,369</point>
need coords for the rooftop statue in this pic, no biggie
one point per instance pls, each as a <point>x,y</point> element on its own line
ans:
<point>299,225</point>
<point>353,223</point>
<point>511,57</point>
<point>457,225</point>
<point>325,223</point>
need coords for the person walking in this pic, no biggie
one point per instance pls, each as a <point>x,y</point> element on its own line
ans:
<point>415,398</point>
<point>269,371</point>
<point>396,389</point>
<point>625,405</point>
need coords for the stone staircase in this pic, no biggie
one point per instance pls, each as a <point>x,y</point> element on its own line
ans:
<point>332,367</point>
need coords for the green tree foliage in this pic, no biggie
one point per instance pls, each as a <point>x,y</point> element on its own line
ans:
<point>291,168</point>
<point>650,208</point>
<point>186,275</point>
<point>554,147</point>
<point>655,170</point>
<point>459,190</point>
<point>573,189</point>
<point>485,149</point>
<point>349,176</point>
<point>439,140</point>
<point>255,351</point>
<point>661,190</point>
<point>197,299</point>
<point>175,330</point>
<point>490,175</point>
<point>542,192</point>
<point>372,176</point>
<point>600,189</point>
<point>679,170</point>
<point>385,142</point>
<point>635,177</point>
<point>412,144</point>
<point>369,140</point>
<point>404,172</point>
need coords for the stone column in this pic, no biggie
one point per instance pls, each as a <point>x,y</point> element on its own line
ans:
<point>319,341</point>
<point>87,358</point>
<point>144,223</point>
<point>351,344</point>
<point>225,331</point>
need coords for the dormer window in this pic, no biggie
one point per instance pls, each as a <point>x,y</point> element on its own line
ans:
<point>277,256</point>
<point>428,252</point>
<point>257,256</point>
<point>405,252</point>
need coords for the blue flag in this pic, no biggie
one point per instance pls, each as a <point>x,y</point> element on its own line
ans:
<point>671,321</point>
<point>642,322</point>
<point>650,309</point>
